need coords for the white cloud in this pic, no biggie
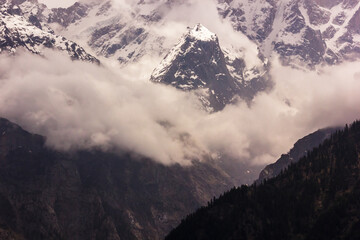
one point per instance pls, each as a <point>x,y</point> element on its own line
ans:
<point>79,105</point>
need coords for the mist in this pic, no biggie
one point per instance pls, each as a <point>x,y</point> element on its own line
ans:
<point>79,105</point>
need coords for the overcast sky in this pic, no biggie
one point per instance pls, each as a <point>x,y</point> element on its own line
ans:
<point>56,3</point>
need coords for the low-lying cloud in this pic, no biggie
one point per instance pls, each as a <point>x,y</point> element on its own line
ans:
<point>79,105</point>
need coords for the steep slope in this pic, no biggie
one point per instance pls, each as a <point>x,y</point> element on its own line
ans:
<point>45,194</point>
<point>317,198</point>
<point>300,149</point>
<point>16,31</point>
<point>197,63</point>
<point>303,33</point>
<point>125,34</point>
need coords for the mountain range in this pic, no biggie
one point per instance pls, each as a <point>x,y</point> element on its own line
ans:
<point>311,31</point>
<point>93,194</point>
<point>17,31</point>
<point>305,34</point>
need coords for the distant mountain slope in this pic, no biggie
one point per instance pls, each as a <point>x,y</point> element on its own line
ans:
<point>316,198</point>
<point>303,32</point>
<point>45,194</point>
<point>300,149</point>
<point>16,31</point>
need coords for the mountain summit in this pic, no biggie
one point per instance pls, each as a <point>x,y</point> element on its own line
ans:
<point>218,77</point>
<point>201,33</point>
<point>198,63</point>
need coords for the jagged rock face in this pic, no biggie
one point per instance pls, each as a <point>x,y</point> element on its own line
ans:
<point>67,16</point>
<point>281,28</point>
<point>16,31</point>
<point>303,33</point>
<point>300,149</point>
<point>260,13</point>
<point>131,36</point>
<point>317,15</point>
<point>116,36</point>
<point>120,35</point>
<point>311,49</point>
<point>197,62</point>
<point>45,194</point>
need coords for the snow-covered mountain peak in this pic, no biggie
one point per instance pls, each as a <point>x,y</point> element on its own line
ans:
<point>200,32</point>
<point>17,32</point>
<point>305,33</point>
<point>199,64</point>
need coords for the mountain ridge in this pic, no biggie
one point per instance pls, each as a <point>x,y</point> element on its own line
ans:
<point>316,198</point>
<point>304,33</point>
<point>299,150</point>
<point>17,32</point>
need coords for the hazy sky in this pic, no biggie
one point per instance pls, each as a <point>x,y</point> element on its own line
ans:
<point>56,3</point>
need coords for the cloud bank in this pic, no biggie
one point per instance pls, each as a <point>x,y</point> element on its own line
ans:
<point>78,105</point>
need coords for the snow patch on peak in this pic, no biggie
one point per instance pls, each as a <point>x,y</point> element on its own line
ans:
<point>16,31</point>
<point>200,32</point>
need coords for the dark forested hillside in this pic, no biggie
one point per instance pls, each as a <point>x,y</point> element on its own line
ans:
<point>301,147</point>
<point>316,198</point>
<point>46,194</point>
